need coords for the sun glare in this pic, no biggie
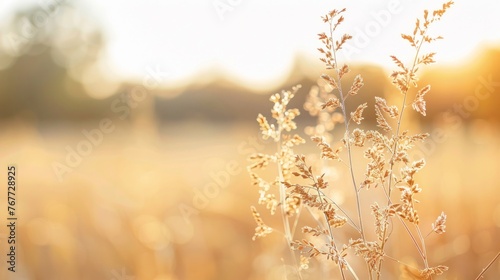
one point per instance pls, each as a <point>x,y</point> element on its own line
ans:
<point>255,42</point>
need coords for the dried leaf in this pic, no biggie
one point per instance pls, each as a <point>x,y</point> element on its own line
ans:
<point>261,230</point>
<point>439,226</point>
<point>409,38</point>
<point>330,80</point>
<point>419,102</point>
<point>357,84</point>
<point>357,116</point>
<point>391,110</point>
<point>381,121</point>
<point>333,103</point>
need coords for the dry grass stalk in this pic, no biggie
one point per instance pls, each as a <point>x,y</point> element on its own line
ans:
<point>298,186</point>
<point>480,276</point>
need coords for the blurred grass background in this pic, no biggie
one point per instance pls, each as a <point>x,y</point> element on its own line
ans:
<point>134,205</point>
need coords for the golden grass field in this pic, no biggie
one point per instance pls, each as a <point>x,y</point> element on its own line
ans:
<point>95,224</point>
<point>128,176</point>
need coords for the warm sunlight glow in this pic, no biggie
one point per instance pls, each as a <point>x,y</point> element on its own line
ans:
<point>256,41</point>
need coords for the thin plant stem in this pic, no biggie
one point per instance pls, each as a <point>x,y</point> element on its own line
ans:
<point>340,208</point>
<point>352,271</point>
<point>349,153</point>
<point>348,144</point>
<point>329,228</point>
<point>424,251</point>
<point>296,222</point>
<point>400,262</point>
<point>406,227</point>
<point>286,222</point>
<point>335,246</point>
<point>480,276</point>
<point>396,139</point>
<point>412,238</point>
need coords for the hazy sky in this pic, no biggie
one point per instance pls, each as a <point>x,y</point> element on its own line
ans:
<point>255,41</point>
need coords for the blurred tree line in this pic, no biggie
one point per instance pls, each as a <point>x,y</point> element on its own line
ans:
<point>47,51</point>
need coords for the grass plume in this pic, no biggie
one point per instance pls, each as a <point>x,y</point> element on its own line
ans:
<point>390,172</point>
